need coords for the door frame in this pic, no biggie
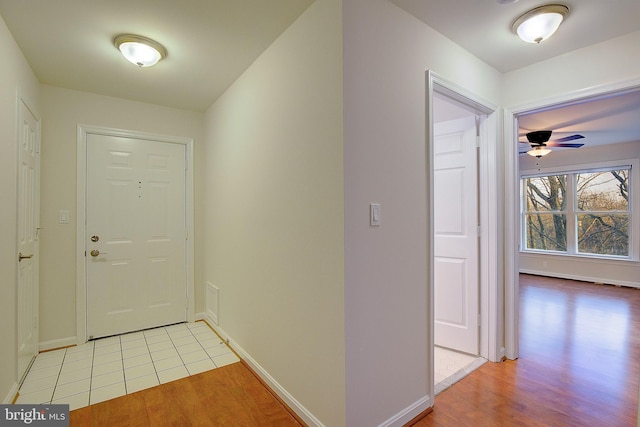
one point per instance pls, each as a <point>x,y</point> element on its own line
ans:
<point>491,214</point>
<point>81,205</point>
<point>512,191</point>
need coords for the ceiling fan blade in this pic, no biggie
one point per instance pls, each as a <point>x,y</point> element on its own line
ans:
<point>555,144</point>
<point>568,138</point>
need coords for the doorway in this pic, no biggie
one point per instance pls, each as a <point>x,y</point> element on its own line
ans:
<point>512,184</point>
<point>474,310</point>
<point>28,229</point>
<point>135,219</point>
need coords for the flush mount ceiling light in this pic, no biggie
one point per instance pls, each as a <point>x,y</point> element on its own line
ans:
<point>539,151</point>
<point>139,50</point>
<point>540,23</point>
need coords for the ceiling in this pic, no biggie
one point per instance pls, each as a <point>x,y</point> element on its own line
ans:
<point>68,43</point>
<point>483,27</point>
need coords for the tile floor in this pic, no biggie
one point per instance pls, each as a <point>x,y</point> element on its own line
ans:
<point>451,366</point>
<point>111,367</point>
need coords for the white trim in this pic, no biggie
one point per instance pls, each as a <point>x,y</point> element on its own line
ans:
<point>11,395</point>
<point>408,413</point>
<point>490,205</point>
<point>512,196</point>
<point>81,167</point>
<point>59,343</point>
<point>511,236</point>
<point>296,406</point>
<point>592,279</point>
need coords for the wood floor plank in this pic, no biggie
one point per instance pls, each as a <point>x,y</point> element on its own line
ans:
<point>579,363</point>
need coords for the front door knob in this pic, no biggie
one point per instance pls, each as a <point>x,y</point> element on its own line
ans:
<point>94,253</point>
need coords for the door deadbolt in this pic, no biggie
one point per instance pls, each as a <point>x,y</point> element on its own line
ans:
<point>95,238</point>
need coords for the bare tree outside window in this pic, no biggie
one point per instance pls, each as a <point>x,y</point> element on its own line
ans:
<point>546,218</point>
<point>603,212</point>
<point>599,209</point>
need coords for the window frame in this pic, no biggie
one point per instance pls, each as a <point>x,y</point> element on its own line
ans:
<point>571,208</point>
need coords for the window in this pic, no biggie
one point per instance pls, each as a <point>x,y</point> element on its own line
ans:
<point>546,216</point>
<point>585,212</point>
<point>603,212</point>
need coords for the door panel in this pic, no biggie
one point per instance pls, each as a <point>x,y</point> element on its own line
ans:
<point>28,216</point>
<point>136,211</point>
<point>456,240</point>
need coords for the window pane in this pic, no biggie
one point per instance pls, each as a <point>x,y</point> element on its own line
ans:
<point>603,234</point>
<point>545,193</point>
<point>604,191</point>
<point>546,231</point>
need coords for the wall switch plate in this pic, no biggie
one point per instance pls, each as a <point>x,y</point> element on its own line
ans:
<point>63,217</point>
<point>375,217</point>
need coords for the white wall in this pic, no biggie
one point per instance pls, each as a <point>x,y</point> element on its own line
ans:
<point>577,72</point>
<point>273,209</point>
<point>615,272</point>
<point>387,52</point>
<point>15,76</point>
<point>62,111</point>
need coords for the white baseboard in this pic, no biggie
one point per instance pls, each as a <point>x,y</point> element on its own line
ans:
<point>8,399</point>
<point>409,413</point>
<point>59,343</point>
<point>296,406</point>
<point>581,278</point>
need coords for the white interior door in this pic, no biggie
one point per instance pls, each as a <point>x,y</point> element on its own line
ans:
<point>136,234</point>
<point>456,286</point>
<point>28,220</point>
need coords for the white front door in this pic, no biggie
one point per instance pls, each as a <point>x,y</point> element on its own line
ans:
<point>28,220</point>
<point>136,234</point>
<point>456,236</point>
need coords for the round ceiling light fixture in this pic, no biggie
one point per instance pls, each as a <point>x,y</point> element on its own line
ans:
<point>540,23</point>
<point>139,50</point>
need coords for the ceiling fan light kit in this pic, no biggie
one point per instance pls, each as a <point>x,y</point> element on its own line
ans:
<point>539,151</point>
<point>540,23</point>
<point>539,141</point>
<point>139,50</point>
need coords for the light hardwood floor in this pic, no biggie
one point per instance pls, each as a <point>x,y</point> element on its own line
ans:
<point>226,396</point>
<point>579,363</point>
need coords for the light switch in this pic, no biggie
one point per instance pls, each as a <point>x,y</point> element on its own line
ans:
<point>63,217</point>
<point>374,211</point>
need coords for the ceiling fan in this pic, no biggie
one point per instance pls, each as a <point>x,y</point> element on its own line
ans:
<point>539,141</point>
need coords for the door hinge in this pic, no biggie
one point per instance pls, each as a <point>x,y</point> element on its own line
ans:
<point>479,231</point>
